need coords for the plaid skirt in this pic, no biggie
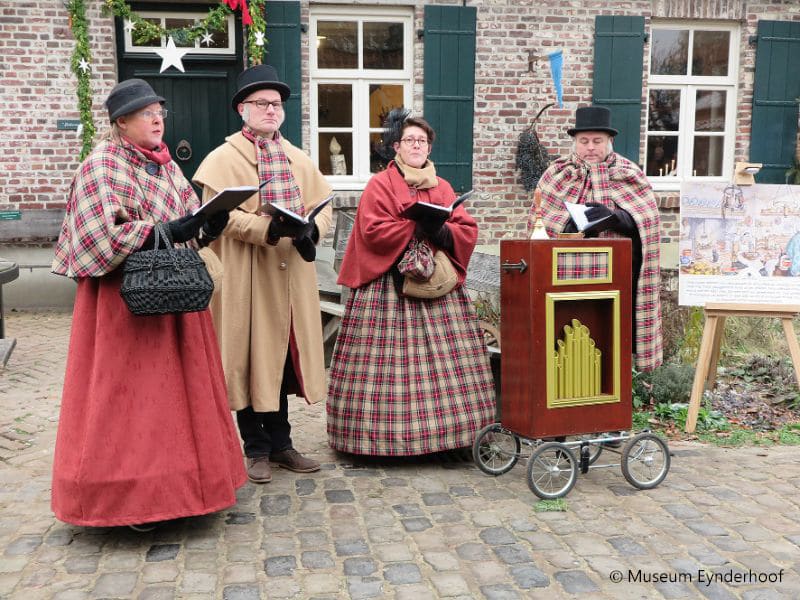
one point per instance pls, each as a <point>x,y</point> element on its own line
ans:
<point>408,376</point>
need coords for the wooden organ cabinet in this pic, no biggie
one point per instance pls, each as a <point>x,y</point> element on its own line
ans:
<point>566,331</point>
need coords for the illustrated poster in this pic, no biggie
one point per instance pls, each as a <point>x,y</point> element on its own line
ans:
<point>739,244</point>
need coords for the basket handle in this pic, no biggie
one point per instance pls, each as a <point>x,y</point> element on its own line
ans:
<point>162,229</point>
<point>539,114</point>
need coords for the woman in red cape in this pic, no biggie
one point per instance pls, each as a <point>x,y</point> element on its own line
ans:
<point>144,433</point>
<point>409,376</point>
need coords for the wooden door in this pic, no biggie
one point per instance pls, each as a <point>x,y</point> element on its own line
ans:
<point>198,100</point>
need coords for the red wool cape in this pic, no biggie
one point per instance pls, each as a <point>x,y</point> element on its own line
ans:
<point>380,236</point>
<point>144,433</point>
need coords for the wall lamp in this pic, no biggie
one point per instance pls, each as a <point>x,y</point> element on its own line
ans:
<point>744,173</point>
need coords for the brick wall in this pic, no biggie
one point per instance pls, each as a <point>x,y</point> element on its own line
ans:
<point>38,88</point>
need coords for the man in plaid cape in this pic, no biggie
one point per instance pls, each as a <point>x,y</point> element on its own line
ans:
<point>620,197</point>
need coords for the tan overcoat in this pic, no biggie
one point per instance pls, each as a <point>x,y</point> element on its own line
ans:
<point>265,288</point>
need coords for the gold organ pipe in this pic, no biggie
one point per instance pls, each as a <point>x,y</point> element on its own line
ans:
<point>576,363</point>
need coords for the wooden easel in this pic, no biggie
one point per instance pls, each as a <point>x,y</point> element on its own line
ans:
<point>716,312</point>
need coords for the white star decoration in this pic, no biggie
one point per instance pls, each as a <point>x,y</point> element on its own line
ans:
<point>171,56</point>
<point>207,39</point>
<point>128,25</point>
<point>259,38</point>
<point>83,65</point>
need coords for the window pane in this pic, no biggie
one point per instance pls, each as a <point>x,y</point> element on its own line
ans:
<point>664,110</point>
<point>382,99</point>
<point>662,155</point>
<point>180,38</point>
<point>219,39</point>
<point>155,41</point>
<point>709,110</point>
<point>710,53</point>
<point>708,156</point>
<point>336,153</point>
<point>669,53</point>
<point>383,45</point>
<point>377,162</point>
<point>335,105</point>
<point>337,45</point>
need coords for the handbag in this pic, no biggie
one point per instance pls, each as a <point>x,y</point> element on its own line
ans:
<point>165,280</point>
<point>427,274</point>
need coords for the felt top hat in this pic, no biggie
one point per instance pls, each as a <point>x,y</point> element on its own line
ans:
<point>259,77</point>
<point>128,96</point>
<point>593,118</point>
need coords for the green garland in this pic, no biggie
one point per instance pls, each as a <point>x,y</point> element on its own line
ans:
<point>144,30</point>
<point>80,30</point>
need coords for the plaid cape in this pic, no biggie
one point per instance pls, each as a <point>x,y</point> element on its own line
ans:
<point>408,376</point>
<point>617,183</point>
<point>112,205</point>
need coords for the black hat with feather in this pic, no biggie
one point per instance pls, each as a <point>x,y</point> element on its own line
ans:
<point>392,131</point>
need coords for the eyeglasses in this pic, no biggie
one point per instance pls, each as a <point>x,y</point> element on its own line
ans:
<point>263,104</point>
<point>410,141</point>
<point>152,114</point>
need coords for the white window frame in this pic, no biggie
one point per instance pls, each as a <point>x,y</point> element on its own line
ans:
<point>198,48</point>
<point>688,86</point>
<point>360,79</point>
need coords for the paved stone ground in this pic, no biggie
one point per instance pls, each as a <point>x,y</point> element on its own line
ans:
<point>396,529</point>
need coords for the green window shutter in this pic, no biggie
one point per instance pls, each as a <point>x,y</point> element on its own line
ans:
<point>773,134</point>
<point>450,89</point>
<point>283,53</point>
<point>618,59</point>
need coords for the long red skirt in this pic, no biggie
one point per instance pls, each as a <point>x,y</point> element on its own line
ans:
<point>145,432</point>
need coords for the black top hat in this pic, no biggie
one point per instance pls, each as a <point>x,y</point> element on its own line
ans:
<point>128,96</point>
<point>592,118</point>
<point>260,77</point>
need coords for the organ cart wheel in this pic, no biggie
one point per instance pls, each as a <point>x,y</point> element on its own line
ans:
<point>496,450</point>
<point>645,461</point>
<point>552,470</point>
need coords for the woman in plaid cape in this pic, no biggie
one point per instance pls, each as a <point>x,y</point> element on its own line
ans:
<point>408,376</point>
<point>144,433</point>
<point>617,192</point>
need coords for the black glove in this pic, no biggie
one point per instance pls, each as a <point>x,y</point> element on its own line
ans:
<point>186,228</point>
<point>595,213</point>
<point>306,242</point>
<point>430,225</point>
<point>215,224</point>
<point>181,230</point>
<point>625,224</point>
<point>279,228</point>
<point>442,238</point>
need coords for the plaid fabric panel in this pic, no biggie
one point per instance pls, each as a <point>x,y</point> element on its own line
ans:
<point>616,183</point>
<point>408,377</point>
<point>417,261</point>
<point>112,204</point>
<point>582,265</point>
<point>272,162</point>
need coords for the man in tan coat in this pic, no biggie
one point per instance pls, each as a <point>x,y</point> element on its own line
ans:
<point>267,314</point>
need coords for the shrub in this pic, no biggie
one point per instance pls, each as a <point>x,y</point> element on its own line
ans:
<point>667,384</point>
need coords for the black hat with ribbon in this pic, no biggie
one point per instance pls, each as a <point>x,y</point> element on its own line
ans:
<point>129,96</point>
<point>259,77</point>
<point>592,118</point>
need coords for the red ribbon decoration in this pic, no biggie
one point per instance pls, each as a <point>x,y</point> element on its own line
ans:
<point>234,4</point>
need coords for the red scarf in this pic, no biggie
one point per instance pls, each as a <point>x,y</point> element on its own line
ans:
<point>159,155</point>
<point>274,165</point>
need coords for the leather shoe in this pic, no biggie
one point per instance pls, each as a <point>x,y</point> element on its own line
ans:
<point>259,469</point>
<point>294,461</point>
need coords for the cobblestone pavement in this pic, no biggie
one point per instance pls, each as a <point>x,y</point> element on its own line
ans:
<point>397,529</point>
